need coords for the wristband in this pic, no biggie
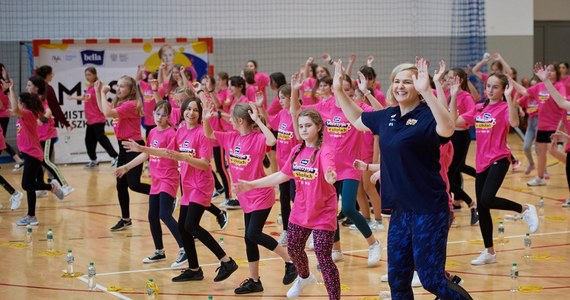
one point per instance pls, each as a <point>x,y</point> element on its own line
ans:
<point>366,167</point>
<point>219,114</point>
<point>198,92</point>
<point>331,62</point>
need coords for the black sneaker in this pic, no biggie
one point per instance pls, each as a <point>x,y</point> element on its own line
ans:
<point>232,204</point>
<point>122,225</point>
<point>386,212</point>
<point>347,222</point>
<point>157,256</point>
<point>218,192</point>
<point>340,216</point>
<point>222,219</point>
<point>474,216</point>
<point>189,275</point>
<point>249,286</point>
<point>290,273</point>
<point>457,280</point>
<point>225,270</point>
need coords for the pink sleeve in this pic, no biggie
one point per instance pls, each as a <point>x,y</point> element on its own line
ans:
<point>274,107</point>
<point>523,102</point>
<point>128,110</point>
<point>262,80</point>
<point>469,116</point>
<point>205,148</point>
<point>533,91</point>
<point>222,138</point>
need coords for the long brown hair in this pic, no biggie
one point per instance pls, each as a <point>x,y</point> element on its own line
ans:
<point>134,94</point>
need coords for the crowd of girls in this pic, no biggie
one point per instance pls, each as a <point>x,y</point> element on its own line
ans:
<point>416,140</point>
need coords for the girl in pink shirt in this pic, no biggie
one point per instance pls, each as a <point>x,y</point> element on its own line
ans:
<point>165,180</point>
<point>277,80</point>
<point>261,79</point>
<point>28,109</point>
<point>492,120</point>
<point>245,148</point>
<point>126,110</point>
<point>177,80</point>
<point>151,95</point>
<point>5,114</point>
<point>95,131</point>
<point>251,87</point>
<point>549,115</point>
<point>47,135</point>
<point>312,166</point>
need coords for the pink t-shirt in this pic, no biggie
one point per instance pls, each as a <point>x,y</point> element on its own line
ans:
<point>242,99</point>
<point>47,130</point>
<point>307,91</point>
<point>274,107</point>
<point>530,104</point>
<point>380,97</point>
<point>286,140</point>
<point>27,135</point>
<point>174,118</point>
<point>93,114</point>
<point>316,204</point>
<point>163,171</point>
<point>197,184</point>
<point>245,157</point>
<point>491,128</point>
<point>367,148</point>
<point>549,114</point>
<point>4,111</point>
<point>148,103</point>
<point>128,124</point>
<point>250,91</point>
<point>342,136</point>
<point>566,82</point>
<point>262,81</point>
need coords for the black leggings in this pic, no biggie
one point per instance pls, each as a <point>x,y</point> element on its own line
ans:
<point>48,163</point>
<point>460,141</point>
<point>219,161</point>
<point>4,123</point>
<point>189,226</point>
<point>487,183</point>
<point>160,207</point>
<point>131,180</point>
<point>32,166</point>
<point>286,195</point>
<point>6,185</point>
<point>254,235</point>
<point>96,133</point>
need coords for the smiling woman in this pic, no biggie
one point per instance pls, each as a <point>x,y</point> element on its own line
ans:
<point>410,138</point>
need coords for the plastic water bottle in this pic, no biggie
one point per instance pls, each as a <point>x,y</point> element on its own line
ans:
<point>29,239</point>
<point>514,278</point>
<point>151,289</point>
<point>210,297</point>
<point>70,259</point>
<point>49,240</point>
<point>279,220</point>
<point>501,230</point>
<point>91,272</point>
<point>540,207</point>
<point>221,242</point>
<point>527,246</point>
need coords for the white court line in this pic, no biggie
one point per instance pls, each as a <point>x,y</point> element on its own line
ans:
<point>104,289</point>
<point>311,255</point>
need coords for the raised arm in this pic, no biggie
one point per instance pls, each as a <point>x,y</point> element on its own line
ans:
<point>13,102</point>
<point>308,64</point>
<point>295,104</point>
<point>483,62</point>
<point>542,73</point>
<point>513,112</point>
<point>352,111</point>
<point>270,139</point>
<point>437,79</point>
<point>445,125</point>
<point>104,105</point>
<point>506,68</point>
<point>350,64</point>
<point>363,87</point>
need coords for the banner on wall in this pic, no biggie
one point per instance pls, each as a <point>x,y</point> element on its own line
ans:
<point>112,58</point>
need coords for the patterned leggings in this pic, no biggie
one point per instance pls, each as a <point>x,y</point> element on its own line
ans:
<point>296,238</point>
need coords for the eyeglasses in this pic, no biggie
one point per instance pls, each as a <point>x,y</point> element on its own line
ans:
<point>159,115</point>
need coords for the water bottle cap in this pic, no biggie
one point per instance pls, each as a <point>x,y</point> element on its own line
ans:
<point>514,264</point>
<point>221,239</point>
<point>69,251</point>
<point>150,280</point>
<point>527,234</point>
<point>49,228</point>
<point>500,222</point>
<point>90,263</point>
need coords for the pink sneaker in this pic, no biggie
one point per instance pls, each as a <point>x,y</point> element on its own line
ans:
<point>516,164</point>
<point>528,169</point>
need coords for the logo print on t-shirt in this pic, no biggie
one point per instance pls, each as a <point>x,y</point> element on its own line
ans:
<point>485,122</point>
<point>336,127</point>
<point>239,159</point>
<point>303,172</point>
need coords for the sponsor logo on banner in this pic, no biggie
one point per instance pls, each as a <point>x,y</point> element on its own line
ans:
<point>92,57</point>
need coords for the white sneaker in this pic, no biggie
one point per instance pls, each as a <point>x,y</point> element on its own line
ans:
<point>312,242</point>
<point>376,225</point>
<point>536,181</point>
<point>416,280</point>
<point>67,189</point>
<point>384,278</point>
<point>485,258</point>
<point>180,260</point>
<point>283,238</point>
<point>16,200</point>
<point>300,284</point>
<point>41,194</point>
<point>374,253</point>
<point>531,218</point>
<point>566,203</point>
<point>337,255</point>
<point>57,190</point>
